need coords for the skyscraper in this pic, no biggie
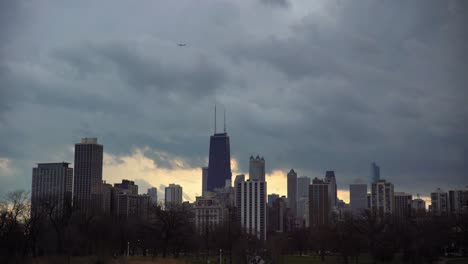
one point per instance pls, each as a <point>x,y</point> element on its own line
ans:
<point>402,204</point>
<point>88,173</point>
<point>319,208</point>
<point>303,183</point>
<point>153,194</point>
<point>204,179</point>
<point>173,196</point>
<point>374,173</point>
<point>257,168</point>
<point>219,164</point>
<point>292,191</point>
<point>382,197</point>
<point>332,193</point>
<point>252,207</point>
<point>358,196</point>
<point>439,202</point>
<point>458,201</point>
<point>51,187</point>
<point>271,198</point>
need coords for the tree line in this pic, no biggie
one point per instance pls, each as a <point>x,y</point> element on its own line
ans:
<point>172,233</point>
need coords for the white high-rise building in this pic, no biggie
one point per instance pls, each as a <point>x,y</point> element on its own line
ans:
<point>358,197</point>
<point>382,197</point>
<point>257,168</point>
<point>303,183</point>
<point>153,194</point>
<point>52,185</point>
<point>252,206</point>
<point>439,202</point>
<point>173,196</point>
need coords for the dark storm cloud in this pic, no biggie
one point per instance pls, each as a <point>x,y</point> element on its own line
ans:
<point>341,85</point>
<point>280,3</point>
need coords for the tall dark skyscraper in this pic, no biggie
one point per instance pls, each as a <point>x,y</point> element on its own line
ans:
<point>88,173</point>
<point>292,191</point>
<point>219,164</point>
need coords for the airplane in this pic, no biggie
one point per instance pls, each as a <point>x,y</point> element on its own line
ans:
<point>181,44</point>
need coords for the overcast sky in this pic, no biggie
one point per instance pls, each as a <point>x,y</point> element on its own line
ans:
<point>309,85</point>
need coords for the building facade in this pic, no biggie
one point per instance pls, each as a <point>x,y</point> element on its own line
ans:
<point>439,202</point>
<point>257,168</point>
<point>382,197</point>
<point>292,191</point>
<point>219,165</point>
<point>209,213</point>
<point>88,174</point>
<point>358,197</point>
<point>173,196</point>
<point>204,180</point>
<point>153,194</point>
<point>458,201</point>
<point>319,207</point>
<point>252,207</point>
<point>332,193</point>
<point>51,190</point>
<point>402,205</point>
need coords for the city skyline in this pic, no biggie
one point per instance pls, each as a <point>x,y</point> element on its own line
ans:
<point>342,93</point>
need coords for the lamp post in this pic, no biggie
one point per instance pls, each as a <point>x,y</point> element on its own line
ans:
<point>220,256</point>
<point>128,249</point>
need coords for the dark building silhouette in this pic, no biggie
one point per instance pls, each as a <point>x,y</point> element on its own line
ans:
<point>51,188</point>
<point>292,191</point>
<point>402,205</point>
<point>319,208</point>
<point>219,164</point>
<point>88,174</point>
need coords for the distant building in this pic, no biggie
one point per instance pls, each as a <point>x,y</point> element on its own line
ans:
<point>332,193</point>
<point>88,174</point>
<point>319,207</point>
<point>204,180</point>
<point>382,197</point>
<point>439,202</point>
<point>239,178</point>
<point>106,198</point>
<point>153,194</point>
<point>257,168</point>
<point>271,198</point>
<point>303,183</point>
<point>374,173</point>
<point>51,188</point>
<point>127,185</point>
<point>209,212</point>
<point>458,201</point>
<point>418,207</point>
<point>292,191</point>
<point>278,216</point>
<point>173,196</point>
<point>252,207</point>
<point>402,205</point>
<point>358,197</point>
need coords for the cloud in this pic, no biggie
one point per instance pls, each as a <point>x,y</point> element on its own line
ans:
<point>278,3</point>
<point>315,86</point>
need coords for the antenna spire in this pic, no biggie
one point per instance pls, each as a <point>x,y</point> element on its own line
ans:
<point>215,120</point>
<point>224,119</point>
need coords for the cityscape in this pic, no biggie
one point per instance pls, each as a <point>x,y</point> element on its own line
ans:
<point>233,132</point>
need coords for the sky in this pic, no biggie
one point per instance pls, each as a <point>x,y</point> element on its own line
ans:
<point>310,85</point>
